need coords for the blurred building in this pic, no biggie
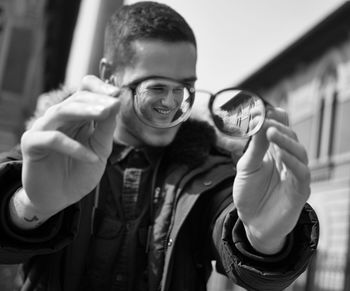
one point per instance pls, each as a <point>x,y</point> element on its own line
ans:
<point>35,37</point>
<point>311,80</point>
<point>22,42</point>
<point>38,38</point>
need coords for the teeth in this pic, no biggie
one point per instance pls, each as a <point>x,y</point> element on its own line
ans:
<point>162,111</point>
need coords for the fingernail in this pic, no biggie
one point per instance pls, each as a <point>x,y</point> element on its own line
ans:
<point>111,90</point>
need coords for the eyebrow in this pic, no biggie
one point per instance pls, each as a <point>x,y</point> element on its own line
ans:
<point>184,80</point>
<point>191,79</point>
<point>188,80</point>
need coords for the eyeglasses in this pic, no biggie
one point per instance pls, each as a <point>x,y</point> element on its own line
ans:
<point>165,103</point>
<point>162,102</point>
<point>237,112</point>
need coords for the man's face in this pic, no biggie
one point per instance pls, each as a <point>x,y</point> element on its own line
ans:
<point>176,61</point>
<point>159,101</point>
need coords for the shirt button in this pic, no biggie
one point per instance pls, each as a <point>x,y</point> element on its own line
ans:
<point>170,242</point>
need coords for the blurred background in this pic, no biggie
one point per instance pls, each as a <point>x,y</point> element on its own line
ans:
<point>296,54</point>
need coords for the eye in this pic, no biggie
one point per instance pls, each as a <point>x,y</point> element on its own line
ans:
<point>157,89</point>
<point>178,90</point>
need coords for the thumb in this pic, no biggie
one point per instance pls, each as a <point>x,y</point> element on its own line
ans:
<point>94,84</point>
<point>102,137</point>
<point>252,158</point>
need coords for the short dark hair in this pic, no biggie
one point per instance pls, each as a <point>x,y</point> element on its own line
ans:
<point>143,21</point>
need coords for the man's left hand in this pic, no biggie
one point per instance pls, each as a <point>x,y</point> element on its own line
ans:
<point>272,183</point>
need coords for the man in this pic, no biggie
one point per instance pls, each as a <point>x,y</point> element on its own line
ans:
<point>115,190</point>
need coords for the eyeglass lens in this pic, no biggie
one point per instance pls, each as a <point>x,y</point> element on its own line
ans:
<point>162,103</point>
<point>237,112</point>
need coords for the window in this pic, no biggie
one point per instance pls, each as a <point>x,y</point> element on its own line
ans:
<point>326,114</point>
<point>302,128</point>
<point>2,26</point>
<point>320,117</point>
<point>341,132</point>
<point>2,18</point>
<point>17,60</point>
<point>300,106</point>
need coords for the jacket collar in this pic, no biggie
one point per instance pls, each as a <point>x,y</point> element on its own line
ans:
<point>192,144</point>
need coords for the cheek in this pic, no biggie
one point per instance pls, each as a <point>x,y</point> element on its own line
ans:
<point>127,115</point>
<point>126,107</point>
<point>144,106</point>
<point>179,99</point>
<point>130,121</point>
<point>142,132</point>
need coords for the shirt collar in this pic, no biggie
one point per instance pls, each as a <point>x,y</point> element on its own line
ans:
<point>120,152</point>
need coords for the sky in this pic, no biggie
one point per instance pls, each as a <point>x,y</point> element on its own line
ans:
<point>236,37</point>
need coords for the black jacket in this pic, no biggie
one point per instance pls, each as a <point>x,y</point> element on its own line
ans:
<point>204,227</point>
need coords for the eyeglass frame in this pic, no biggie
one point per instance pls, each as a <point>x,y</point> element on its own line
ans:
<point>132,86</point>
<point>212,99</point>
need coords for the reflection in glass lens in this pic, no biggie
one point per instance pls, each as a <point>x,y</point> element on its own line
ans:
<point>162,103</point>
<point>237,113</point>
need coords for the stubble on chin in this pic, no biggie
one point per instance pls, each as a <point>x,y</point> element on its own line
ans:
<point>157,137</point>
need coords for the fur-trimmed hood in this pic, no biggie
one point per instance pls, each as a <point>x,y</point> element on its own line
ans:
<point>193,143</point>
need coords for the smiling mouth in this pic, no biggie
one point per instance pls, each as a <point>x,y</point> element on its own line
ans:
<point>163,111</point>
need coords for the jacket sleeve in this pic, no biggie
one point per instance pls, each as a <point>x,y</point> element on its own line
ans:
<point>18,245</point>
<point>253,270</point>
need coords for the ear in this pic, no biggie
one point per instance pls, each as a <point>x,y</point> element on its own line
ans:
<point>105,69</point>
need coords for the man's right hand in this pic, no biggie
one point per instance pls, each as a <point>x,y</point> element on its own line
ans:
<point>66,150</point>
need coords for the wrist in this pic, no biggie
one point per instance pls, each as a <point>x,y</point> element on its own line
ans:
<point>267,245</point>
<point>24,214</point>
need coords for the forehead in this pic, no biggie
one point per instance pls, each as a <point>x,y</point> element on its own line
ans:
<point>162,59</point>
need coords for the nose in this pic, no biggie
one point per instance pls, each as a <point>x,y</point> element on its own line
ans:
<point>169,100</point>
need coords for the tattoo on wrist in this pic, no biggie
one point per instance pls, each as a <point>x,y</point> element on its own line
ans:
<point>33,219</point>
<point>23,216</point>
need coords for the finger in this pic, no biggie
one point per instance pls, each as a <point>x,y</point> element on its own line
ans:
<point>38,144</point>
<point>297,168</point>
<point>285,142</point>
<point>254,155</point>
<point>94,84</point>
<point>255,152</point>
<point>90,97</point>
<point>79,131</point>
<point>101,140</point>
<point>277,114</point>
<point>76,110</point>
<point>285,129</point>
<point>256,118</point>
<point>274,120</point>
